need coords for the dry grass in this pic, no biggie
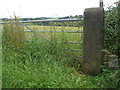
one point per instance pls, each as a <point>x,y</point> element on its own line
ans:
<point>14,33</point>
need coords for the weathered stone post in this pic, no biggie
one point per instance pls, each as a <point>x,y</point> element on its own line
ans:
<point>93,40</point>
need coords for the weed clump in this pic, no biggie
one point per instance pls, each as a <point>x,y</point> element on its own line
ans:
<point>13,34</point>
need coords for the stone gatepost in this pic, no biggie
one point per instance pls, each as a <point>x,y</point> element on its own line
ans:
<point>93,40</point>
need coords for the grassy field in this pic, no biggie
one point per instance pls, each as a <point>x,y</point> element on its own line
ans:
<point>42,64</point>
<point>73,37</point>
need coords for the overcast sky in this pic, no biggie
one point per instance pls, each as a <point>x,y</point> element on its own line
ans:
<point>46,8</point>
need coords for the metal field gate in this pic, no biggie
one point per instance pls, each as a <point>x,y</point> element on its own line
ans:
<point>68,32</point>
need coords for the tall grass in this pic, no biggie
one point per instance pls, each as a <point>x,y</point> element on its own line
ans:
<point>14,34</point>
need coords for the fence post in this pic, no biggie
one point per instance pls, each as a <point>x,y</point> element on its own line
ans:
<point>93,40</point>
<point>101,3</point>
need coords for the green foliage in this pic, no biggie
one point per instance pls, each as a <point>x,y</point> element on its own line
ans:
<point>112,42</point>
<point>109,76</point>
<point>111,27</point>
